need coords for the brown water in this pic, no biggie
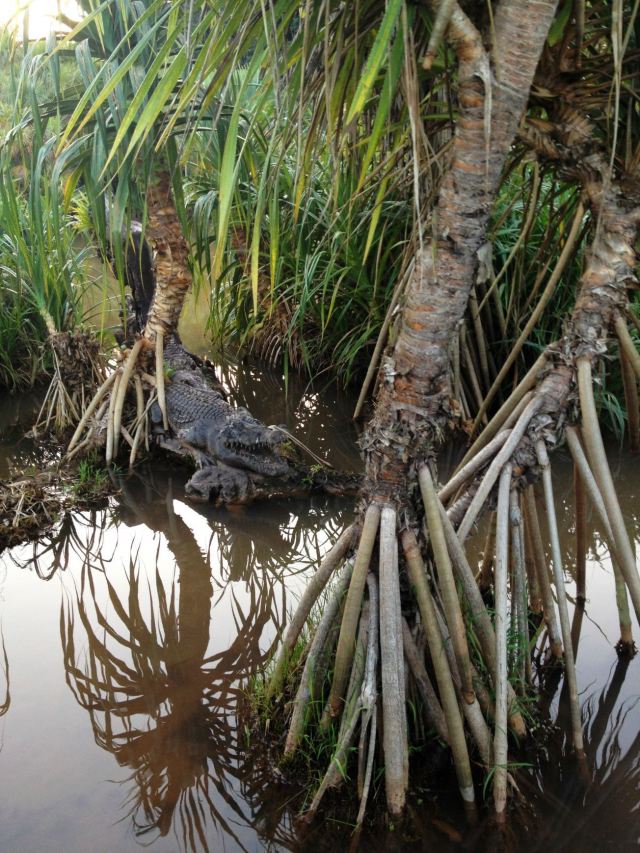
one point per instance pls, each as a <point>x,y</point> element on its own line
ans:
<point>128,633</point>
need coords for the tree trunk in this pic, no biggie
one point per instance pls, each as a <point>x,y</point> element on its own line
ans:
<point>171,260</point>
<point>415,403</point>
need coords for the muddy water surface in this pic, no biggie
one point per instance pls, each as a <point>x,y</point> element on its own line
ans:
<point>128,632</point>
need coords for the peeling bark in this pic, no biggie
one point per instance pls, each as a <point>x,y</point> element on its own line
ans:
<point>414,403</point>
<point>171,260</point>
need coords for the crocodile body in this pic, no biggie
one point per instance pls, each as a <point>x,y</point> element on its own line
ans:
<point>239,459</point>
<point>204,421</point>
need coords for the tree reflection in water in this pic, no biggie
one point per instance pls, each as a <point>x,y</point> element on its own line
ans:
<point>567,812</point>
<point>138,654</point>
<point>5,681</point>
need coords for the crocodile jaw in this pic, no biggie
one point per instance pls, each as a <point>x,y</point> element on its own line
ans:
<point>249,446</point>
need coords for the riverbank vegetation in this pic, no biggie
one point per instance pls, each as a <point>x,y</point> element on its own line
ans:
<point>437,202</point>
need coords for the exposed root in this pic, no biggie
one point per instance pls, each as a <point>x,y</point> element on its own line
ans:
<point>558,574</point>
<point>344,652</point>
<point>433,708</point>
<point>580,495</point>
<point>519,605</point>
<point>444,680</point>
<point>395,742</point>
<point>91,408</point>
<point>494,470</point>
<point>309,598</point>
<point>359,704</point>
<point>500,747</point>
<point>162,398</point>
<point>78,370</point>
<point>467,471</point>
<point>310,681</point>
<point>542,573</point>
<point>626,344</point>
<point>119,396</point>
<point>632,401</point>
<point>598,459</point>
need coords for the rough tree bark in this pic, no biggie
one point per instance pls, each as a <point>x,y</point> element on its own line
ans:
<point>415,402</point>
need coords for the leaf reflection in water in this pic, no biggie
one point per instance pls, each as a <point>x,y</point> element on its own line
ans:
<point>145,652</point>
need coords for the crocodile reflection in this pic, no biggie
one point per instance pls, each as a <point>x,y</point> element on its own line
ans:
<point>138,658</point>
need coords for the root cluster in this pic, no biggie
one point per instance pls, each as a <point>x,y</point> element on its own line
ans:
<point>407,615</point>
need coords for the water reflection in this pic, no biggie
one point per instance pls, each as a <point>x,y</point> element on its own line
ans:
<point>5,681</point>
<point>165,608</point>
<point>567,812</point>
<point>144,645</point>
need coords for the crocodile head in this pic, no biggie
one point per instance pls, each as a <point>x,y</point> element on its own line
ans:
<point>245,443</point>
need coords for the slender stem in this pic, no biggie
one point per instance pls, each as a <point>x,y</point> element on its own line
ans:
<point>382,336</point>
<point>565,256</point>
<point>528,382</point>
<point>346,640</point>
<point>394,733</point>
<point>501,571</point>
<point>558,574</point>
<point>480,337</point>
<point>600,467</point>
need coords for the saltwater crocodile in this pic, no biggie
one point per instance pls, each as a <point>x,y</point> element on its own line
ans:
<point>238,458</point>
<point>204,422</point>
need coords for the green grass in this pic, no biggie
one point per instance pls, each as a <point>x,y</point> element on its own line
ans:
<point>42,270</point>
<point>91,478</point>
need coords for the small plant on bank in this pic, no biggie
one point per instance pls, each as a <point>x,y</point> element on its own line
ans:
<point>91,477</point>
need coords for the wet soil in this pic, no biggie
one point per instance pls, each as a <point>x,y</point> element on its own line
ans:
<point>129,635</point>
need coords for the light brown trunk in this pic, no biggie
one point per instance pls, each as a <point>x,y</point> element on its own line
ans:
<point>415,398</point>
<point>171,260</point>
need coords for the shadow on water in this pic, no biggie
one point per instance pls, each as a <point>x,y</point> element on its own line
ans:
<point>157,612</point>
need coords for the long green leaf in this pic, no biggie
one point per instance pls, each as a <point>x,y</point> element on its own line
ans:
<point>375,59</point>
